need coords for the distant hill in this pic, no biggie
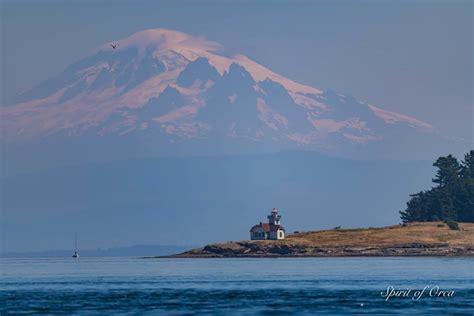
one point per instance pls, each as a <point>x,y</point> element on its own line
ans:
<point>131,251</point>
<point>414,239</point>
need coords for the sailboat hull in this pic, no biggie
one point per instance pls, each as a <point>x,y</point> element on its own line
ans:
<point>76,254</point>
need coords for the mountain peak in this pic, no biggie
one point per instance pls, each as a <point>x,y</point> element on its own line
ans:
<point>163,40</point>
<point>177,87</point>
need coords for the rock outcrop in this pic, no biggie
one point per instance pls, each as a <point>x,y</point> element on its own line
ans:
<point>415,239</point>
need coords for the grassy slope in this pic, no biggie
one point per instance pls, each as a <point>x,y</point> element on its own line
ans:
<point>429,234</point>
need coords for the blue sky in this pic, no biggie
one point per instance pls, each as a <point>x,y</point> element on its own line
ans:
<point>414,57</point>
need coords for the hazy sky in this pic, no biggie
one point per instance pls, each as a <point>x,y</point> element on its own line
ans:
<point>414,57</point>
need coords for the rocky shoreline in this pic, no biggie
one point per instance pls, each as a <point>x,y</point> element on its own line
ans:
<point>418,239</point>
<point>249,250</point>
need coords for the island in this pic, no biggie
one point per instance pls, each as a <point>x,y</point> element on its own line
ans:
<point>408,239</point>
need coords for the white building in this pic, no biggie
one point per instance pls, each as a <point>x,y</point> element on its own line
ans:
<point>273,230</point>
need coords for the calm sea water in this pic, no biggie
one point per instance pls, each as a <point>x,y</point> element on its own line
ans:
<point>234,286</point>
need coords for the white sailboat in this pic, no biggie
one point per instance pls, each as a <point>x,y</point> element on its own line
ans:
<point>76,254</point>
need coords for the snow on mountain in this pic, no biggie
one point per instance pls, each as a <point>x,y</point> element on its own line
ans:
<point>177,87</point>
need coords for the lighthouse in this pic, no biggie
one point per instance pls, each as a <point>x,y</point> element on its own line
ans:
<point>273,230</point>
<point>274,217</point>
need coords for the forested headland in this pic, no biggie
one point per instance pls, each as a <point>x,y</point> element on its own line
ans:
<point>452,197</point>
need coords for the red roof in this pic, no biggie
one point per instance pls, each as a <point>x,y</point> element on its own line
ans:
<point>268,227</point>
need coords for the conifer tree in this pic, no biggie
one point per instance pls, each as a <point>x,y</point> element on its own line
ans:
<point>453,197</point>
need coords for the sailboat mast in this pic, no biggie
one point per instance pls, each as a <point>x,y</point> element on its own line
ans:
<point>75,255</point>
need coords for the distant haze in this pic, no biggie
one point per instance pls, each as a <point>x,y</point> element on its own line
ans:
<point>183,201</point>
<point>207,114</point>
<point>130,251</point>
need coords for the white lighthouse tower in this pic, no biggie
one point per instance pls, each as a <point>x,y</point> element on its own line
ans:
<point>274,217</point>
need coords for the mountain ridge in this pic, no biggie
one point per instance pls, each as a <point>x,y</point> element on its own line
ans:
<point>181,89</point>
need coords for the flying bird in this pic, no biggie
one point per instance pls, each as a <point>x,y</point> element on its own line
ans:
<point>113,46</point>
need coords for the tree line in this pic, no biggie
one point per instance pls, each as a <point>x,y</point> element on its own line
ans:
<point>452,197</point>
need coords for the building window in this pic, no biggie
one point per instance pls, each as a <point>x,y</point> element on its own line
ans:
<point>281,234</point>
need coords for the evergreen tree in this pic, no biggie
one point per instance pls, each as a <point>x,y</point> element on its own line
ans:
<point>465,195</point>
<point>467,167</point>
<point>448,171</point>
<point>453,197</point>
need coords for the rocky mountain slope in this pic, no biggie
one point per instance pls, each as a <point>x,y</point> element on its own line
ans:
<point>173,92</point>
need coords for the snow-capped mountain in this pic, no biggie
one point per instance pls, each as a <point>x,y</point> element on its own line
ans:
<point>173,89</point>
